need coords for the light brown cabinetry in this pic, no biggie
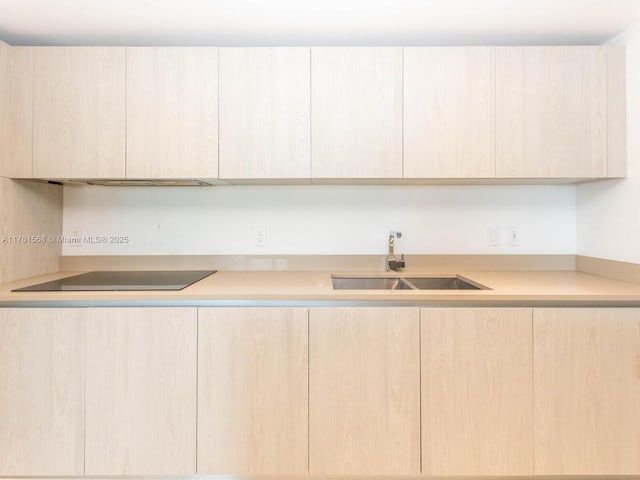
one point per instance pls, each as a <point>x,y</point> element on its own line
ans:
<point>449,112</point>
<point>252,391</point>
<point>325,113</point>
<point>477,391</point>
<point>16,105</point>
<point>364,391</point>
<point>141,391</point>
<point>587,391</point>
<point>356,112</point>
<point>265,113</point>
<point>42,355</point>
<point>551,112</point>
<point>79,112</point>
<point>29,209</point>
<point>172,112</point>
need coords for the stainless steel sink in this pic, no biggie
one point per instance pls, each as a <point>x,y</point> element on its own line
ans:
<point>364,283</point>
<point>441,283</point>
<point>404,283</point>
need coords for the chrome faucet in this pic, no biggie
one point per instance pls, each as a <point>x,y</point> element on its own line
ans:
<point>392,262</point>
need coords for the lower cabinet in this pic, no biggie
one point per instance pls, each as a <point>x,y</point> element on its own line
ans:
<point>41,391</point>
<point>477,391</point>
<point>587,391</point>
<point>328,391</point>
<point>253,391</point>
<point>141,391</point>
<point>364,391</point>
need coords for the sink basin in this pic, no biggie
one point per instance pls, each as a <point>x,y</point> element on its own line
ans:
<point>402,283</point>
<point>367,283</point>
<point>441,283</point>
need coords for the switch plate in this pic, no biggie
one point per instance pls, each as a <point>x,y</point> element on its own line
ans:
<point>493,236</point>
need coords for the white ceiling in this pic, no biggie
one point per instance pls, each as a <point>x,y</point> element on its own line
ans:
<point>320,22</point>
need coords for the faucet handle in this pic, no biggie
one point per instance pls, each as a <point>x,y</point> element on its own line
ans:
<point>395,234</point>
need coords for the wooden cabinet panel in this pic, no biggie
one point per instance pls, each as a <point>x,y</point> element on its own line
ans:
<point>41,391</point>
<point>172,112</point>
<point>364,391</point>
<point>265,113</point>
<point>356,112</point>
<point>551,112</point>
<point>253,391</point>
<point>477,391</point>
<point>79,112</point>
<point>29,209</point>
<point>587,391</point>
<point>141,391</point>
<point>16,111</point>
<point>449,112</point>
<point>616,112</point>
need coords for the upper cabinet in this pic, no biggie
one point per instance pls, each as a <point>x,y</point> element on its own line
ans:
<point>551,112</point>
<point>325,114</point>
<point>265,113</point>
<point>79,112</point>
<point>356,112</point>
<point>16,109</point>
<point>172,112</point>
<point>449,112</point>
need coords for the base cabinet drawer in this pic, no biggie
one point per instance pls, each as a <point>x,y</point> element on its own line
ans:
<point>252,391</point>
<point>587,391</point>
<point>141,391</point>
<point>364,391</point>
<point>42,355</point>
<point>477,391</point>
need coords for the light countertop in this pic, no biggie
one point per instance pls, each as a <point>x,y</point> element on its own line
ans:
<point>535,288</point>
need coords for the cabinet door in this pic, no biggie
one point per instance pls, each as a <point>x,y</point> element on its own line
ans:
<point>79,112</point>
<point>16,111</point>
<point>141,391</point>
<point>356,112</point>
<point>477,391</point>
<point>172,112</point>
<point>551,112</point>
<point>449,112</point>
<point>42,355</point>
<point>364,391</point>
<point>265,113</point>
<point>587,391</point>
<point>252,391</point>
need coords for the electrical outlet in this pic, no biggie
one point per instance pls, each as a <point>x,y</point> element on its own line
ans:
<point>513,233</point>
<point>493,236</point>
<point>261,236</point>
<point>75,237</point>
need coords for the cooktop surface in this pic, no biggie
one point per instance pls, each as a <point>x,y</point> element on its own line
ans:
<point>122,281</point>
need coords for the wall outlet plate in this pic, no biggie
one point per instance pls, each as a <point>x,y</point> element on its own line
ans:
<point>261,236</point>
<point>513,235</point>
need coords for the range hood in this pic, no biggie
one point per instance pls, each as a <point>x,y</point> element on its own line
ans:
<point>122,182</point>
<point>150,183</point>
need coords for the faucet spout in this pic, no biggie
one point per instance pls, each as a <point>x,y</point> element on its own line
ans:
<point>392,262</point>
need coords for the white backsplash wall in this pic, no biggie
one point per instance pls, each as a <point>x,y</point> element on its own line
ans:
<point>608,216</point>
<point>320,219</point>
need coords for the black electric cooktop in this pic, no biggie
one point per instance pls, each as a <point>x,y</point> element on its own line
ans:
<point>121,281</point>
